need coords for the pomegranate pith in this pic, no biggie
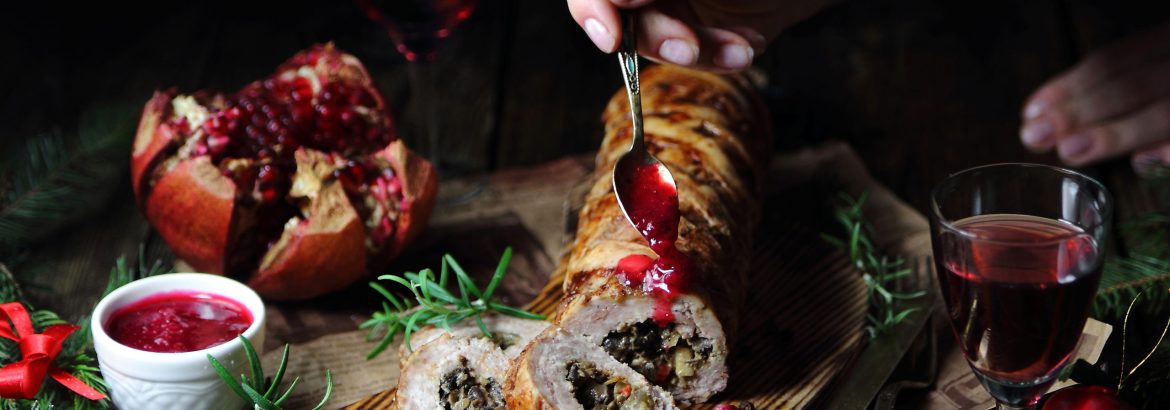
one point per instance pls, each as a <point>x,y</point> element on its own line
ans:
<point>282,149</point>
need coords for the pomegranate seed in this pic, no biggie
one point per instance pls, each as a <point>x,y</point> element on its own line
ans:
<point>384,228</point>
<point>217,144</point>
<point>394,187</point>
<point>269,195</point>
<point>267,174</point>
<point>382,190</point>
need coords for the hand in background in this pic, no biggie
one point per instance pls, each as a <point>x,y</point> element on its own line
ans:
<point>1114,102</point>
<point>714,35</point>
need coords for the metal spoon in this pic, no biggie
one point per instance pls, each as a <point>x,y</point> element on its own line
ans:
<point>629,190</point>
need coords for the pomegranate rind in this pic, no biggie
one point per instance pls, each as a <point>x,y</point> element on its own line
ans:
<point>191,206</point>
<point>154,135</point>
<point>420,189</point>
<point>318,255</point>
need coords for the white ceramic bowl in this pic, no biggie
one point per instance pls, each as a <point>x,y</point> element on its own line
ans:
<point>140,379</point>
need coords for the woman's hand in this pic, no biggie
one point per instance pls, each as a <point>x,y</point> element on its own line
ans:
<point>714,35</point>
<point>1115,102</point>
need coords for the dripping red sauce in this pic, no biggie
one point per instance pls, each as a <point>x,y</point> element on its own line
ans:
<point>653,208</point>
<point>180,321</point>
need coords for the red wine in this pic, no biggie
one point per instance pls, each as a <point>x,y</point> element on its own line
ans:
<point>1018,290</point>
<point>418,27</point>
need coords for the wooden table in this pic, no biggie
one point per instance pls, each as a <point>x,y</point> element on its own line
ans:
<point>921,89</point>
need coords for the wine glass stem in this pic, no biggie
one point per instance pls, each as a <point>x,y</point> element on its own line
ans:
<point>423,83</point>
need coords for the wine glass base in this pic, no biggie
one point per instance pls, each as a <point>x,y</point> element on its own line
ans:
<point>1016,395</point>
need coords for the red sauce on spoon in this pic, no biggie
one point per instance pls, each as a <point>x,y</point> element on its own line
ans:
<point>182,321</point>
<point>653,208</point>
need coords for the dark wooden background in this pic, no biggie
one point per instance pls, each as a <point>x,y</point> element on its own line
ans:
<point>921,88</point>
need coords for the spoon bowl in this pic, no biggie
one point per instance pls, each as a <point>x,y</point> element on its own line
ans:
<point>644,187</point>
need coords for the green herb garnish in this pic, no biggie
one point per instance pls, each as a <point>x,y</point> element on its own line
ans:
<point>878,270</point>
<point>437,306</point>
<point>250,388</point>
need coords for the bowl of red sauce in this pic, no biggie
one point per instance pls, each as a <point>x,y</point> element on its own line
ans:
<point>153,336</point>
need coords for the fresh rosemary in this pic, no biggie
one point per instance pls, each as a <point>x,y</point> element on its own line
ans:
<point>879,271</point>
<point>436,305</point>
<point>250,389</point>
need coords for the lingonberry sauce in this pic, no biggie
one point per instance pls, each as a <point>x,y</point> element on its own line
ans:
<point>181,321</point>
<point>653,208</point>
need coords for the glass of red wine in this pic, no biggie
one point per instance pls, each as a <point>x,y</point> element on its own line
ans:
<point>1019,250</point>
<point>418,29</point>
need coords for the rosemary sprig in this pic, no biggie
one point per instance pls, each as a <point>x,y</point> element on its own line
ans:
<point>436,305</point>
<point>879,271</point>
<point>250,389</point>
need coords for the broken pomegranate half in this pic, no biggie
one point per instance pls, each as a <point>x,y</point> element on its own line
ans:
<point>296,184</point>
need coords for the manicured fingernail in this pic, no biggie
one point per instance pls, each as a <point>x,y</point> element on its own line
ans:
<point>734,56</point>
<point>1148,164</point>
<point>757,40</point>
<point>1037,133</point>
<point>599,34</point>
<point>1034,109</point>
<point>678,52</point>
<point>1074,146</point>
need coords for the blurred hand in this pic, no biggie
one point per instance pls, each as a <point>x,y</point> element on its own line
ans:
<point>1115,102</point>
<point>715,35</point>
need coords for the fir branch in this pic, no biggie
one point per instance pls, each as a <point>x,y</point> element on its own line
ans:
<point>879,271</point>
<point>76,356</point>
<point>1146,269</point>
<point>436,305</point>
<point>52,180</point>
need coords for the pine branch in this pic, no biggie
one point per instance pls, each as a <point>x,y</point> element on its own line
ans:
<point>76,356</point>
<point>52,180</point>
<point>1146,270</point>
<point>1125,278</point>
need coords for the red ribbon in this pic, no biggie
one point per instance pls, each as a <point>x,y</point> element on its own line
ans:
<point>23,379</point>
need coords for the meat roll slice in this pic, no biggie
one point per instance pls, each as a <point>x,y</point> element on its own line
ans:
<point>454,373</point>
<point>509,333</point>
<point>561,371</point>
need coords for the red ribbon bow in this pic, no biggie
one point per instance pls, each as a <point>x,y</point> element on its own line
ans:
<point>23,379</point>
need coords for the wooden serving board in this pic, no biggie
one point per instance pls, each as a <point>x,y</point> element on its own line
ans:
<point>804,326</point>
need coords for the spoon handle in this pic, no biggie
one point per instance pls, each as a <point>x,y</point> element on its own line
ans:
<point>628,58</point>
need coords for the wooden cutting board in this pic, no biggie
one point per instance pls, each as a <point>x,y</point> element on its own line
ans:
<point>804,325</point>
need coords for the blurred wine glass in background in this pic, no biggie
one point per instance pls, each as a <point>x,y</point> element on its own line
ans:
<point>418,29</point>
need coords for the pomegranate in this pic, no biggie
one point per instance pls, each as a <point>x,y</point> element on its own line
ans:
<point>296,184</point>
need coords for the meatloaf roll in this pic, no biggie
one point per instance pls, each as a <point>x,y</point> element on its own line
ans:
<point>712,134</point>
<point>561,371</point>
<point>510,333</point>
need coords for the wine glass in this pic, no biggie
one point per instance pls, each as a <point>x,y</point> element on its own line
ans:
<point>1019,250</point>
<point>418,28</point>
